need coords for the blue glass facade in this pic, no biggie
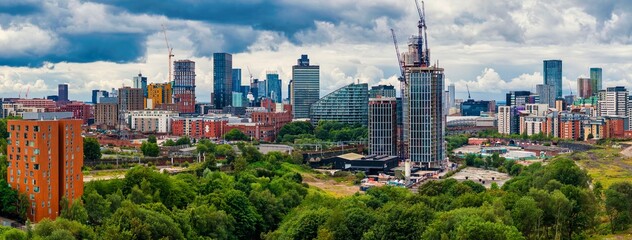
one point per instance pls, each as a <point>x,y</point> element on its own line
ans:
<point>222,79</point>
<point>274,87</point>
<point>236,79</point>
<point>553,75</point>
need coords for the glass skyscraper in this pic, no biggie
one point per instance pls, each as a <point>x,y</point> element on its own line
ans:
<point>425,128</point>
<point>274,87</point>
<point>553,75</point>
<point>383,126</point>
<point>595,80</point>
<point>306,87</point>
<point>348,104</point>
<point>222,80</point>
<point>236,79</point>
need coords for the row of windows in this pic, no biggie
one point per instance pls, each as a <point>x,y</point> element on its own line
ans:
<point>26,128</point>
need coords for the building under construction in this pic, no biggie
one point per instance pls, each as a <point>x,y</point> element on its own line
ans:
<point>184,86</point>
<point>422,87</point>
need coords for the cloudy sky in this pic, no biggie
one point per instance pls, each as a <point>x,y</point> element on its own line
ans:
<point>492,46</point>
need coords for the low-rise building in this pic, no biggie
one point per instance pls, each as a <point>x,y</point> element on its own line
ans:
<point>151,121</point>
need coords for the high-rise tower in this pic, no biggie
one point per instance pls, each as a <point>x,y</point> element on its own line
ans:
<point>305,86</point>
<point>596,80</point>
<point>553,75</point>
<point>423,87</point>
<point>222,80</point>
<point>184,85</point>
<point>62,93</point>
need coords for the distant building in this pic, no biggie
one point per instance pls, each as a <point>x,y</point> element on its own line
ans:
<point>385,91</point>
<point>237,99</point>
<point>236,80</point>
<point>553,75</point>
<point>159,94</point>
<point>584,87</point>
<point>613,102</point>
<point>106,113</point>
<point>79,110</point>
<point>222,79</point>
<point>571,125</point>
<point>547,94</point>
<point>452,95</point>
<point>140,81</point>
<point>45,176</point>
<point>474,108</point>
<point>305,87</point>
<point>383,126</point>
<point>505,116</point>
<point>151,121</point>
<point>130,99</point>
<point>273,88</point>
<point>62,92</point>
<point>184,86</point>
<point>348,104</point>
<point>520,98</point>
<point>97,94</point>
<point>596,80</point>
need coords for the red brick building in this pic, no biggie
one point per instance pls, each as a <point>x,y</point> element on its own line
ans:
<point>200,127</point>
<point>79,111</point>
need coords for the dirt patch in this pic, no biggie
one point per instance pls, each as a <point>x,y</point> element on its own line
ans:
<point>336,189</point>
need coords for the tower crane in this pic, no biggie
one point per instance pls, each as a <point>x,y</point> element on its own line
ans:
<point>402,77</point>
<point>250,96</point>
<point>27,92</point>
<point>468,92</point>
<point>422,40</point>
<point>169,49</point>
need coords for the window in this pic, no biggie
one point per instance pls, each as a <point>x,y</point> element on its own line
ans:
<point>36,128</point>
<point>12,127</point>
<point>36,166</point>
<point>32,196</point>
<point>26,128</point>
<point>35,151</point>
<point>36,189</point>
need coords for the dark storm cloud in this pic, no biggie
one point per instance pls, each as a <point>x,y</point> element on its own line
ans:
<point>288,17</point>
<point>84,48</point>
<point>234,24</point>
<point>19,8</point>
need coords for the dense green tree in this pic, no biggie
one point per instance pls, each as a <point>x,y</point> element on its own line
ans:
<point>133,222</point>
<point>400,221</point>
<point>98,208</point>
<point>150,149</point>
<point>152,139</point>
<point>527,217</point>
<point>73,211</point>
<point>184,140</point>
<point>169,143</point>
<point>207,221</point>
<point>619,205</point>
<point>235,135</point>
<point>296,128</point>
<point>91,149</point>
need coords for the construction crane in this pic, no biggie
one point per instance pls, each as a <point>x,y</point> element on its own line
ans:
<point>250,96</point>
<point>570,87</point>
<point>422,39</point>
<point>27,92</point>
<point>399,58</point>
<point>170,50</point>
<point>468,92</point>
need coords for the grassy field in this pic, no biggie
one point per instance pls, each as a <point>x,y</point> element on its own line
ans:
<point>334,186</point>
<point>605,165</point>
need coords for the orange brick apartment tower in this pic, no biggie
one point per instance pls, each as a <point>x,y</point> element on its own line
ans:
<point>45,159</point>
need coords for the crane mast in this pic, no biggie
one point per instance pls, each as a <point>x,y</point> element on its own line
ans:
<point>170,51</point>
<point>422,38</point>
<point>402,77</point>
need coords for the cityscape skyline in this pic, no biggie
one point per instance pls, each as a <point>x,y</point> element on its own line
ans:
<point>345,36</point>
